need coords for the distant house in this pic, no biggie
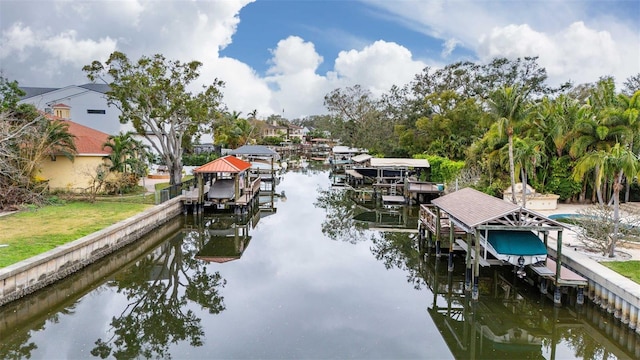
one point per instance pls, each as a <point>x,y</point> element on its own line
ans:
<point>274,130</point>
<point>295,132</point>
<point>75,176</point>
<point>86,104</point>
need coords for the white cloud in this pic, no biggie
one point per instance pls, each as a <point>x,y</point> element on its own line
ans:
<point>576,53</point>
<point>67,48</point>
<point>16,39</point>
<point>378,66</point>
<point>448,47</point>
<point>294,55</point>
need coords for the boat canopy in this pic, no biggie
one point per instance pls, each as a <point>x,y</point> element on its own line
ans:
<point>509,242</point>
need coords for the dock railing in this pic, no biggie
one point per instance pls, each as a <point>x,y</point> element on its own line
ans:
<point>174,191</point>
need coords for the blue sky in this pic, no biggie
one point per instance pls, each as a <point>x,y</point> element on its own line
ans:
<point>287,54</point>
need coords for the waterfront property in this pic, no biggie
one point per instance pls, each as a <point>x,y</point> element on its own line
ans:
<point>224,184</point>
<point>324,288</point>
<point>396,181</point>
<point>496,232</point>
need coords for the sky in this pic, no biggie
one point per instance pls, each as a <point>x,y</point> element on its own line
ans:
<point>283,56</point>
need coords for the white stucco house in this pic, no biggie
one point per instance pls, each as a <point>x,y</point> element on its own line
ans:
<point>84,104</point>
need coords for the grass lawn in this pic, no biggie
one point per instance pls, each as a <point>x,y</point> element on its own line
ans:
<point>630,269</point>
<point>29,233</point>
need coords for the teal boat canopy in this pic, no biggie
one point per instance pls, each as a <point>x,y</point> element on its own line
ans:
<point>524,243</point>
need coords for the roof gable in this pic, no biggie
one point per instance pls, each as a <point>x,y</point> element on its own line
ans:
<point>228,164</point>
<point>470,209</point>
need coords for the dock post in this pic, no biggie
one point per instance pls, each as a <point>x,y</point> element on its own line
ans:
<point>475,293</point>
<point>438,235</point>
<point>451,243</point>
<point>468,264</point>
<point>580,297</point>
<point>557,296</point>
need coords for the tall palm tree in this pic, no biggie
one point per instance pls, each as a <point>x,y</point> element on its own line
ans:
<point>528,154</point>
<point>598,127</point>
<point>509,105</point>
<point>629,110</point>
<point>614,165</point>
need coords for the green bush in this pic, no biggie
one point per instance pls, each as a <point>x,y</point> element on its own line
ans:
<point>198,159</point>
<point>442,169</point>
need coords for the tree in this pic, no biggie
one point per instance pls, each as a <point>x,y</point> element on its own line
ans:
<point>508,104</point>
<point>597,226</point>
<point>528,155</point>
<point>363,122</point>
<point>153,95</point>
<point>614,165</point>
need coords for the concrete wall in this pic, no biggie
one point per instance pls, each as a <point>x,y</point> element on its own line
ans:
<point>611,291</point>
<point>35,273</point>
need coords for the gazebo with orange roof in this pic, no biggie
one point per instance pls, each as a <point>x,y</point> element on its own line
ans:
<point>226,183</point>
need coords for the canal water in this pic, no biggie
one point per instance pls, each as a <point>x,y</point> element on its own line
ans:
<point>314,274</point>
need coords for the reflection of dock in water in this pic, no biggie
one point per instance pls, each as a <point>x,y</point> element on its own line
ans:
<point>512,321</point>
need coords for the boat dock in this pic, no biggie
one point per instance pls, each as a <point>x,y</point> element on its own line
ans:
<point>471,222</point>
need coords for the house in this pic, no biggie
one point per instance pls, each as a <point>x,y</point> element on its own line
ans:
<point>295,132</point>
<point>86,104</point>
<point>76,176</point>
<point>274,130</point>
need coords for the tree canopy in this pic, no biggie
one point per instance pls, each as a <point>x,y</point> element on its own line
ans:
<point>154,95</point>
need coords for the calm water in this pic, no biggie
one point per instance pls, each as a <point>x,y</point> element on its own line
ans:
<point>305,281</point>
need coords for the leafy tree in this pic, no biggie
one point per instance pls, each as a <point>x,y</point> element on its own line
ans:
<point>363,121</point>
<point>153,95</point>
<point>632,84</point>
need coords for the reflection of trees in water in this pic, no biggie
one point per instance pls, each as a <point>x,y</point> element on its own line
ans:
<point>398,250</point>
<point>159,288</point>
<point>394,249</point>
<point>338,223</point>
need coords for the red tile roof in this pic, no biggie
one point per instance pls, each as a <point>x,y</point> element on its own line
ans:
<point>229,164</point>
<point>88,141</point>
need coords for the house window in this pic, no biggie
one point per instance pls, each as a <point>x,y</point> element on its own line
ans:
<point>95,111</point>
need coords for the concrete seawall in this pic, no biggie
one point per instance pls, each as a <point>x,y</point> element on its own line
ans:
<point>37,272</point>
<point>611,291</point>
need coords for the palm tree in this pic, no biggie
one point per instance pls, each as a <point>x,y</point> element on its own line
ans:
<point>629,110</point>
<point>47,138</point>
<point>509,105</point>
<point>598,127</point>
<point>528,154</point>
<point>127,153</point>
<point>614,164</point>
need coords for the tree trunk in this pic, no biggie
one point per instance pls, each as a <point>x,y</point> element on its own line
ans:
<point>617,186</point>
<point>524,188</point>
<point>512,171</point>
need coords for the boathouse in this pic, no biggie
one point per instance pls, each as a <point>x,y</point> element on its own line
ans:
<point>395,180</point>
<point>264,163</point>
<point>225,184</point>
<point>492,231</point>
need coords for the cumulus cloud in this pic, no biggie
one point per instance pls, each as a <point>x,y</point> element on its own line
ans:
<point>576,53</point>
<point>378,66</point>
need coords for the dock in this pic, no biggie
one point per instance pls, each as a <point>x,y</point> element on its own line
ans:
<point>464,218</point>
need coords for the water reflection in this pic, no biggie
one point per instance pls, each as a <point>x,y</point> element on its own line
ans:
<point>341,279</point>
<point>157,288</point>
